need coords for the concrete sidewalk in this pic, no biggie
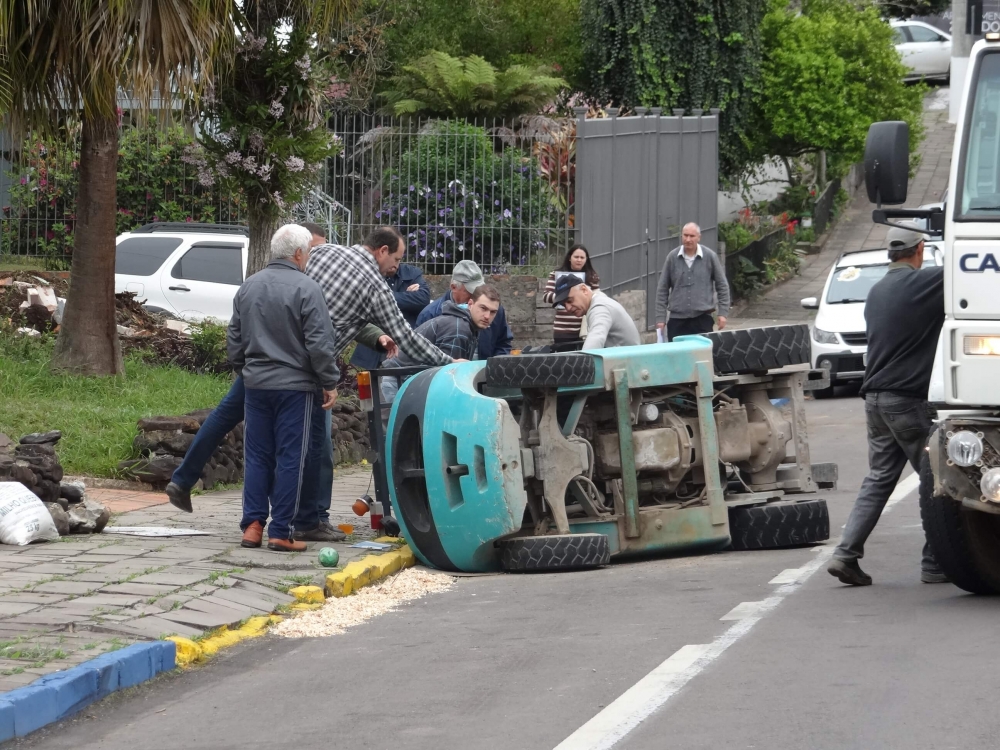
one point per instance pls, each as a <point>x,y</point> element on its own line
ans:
<point>64,603</point>
<point>855,230</point>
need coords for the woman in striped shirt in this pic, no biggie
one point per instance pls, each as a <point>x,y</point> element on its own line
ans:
<point>566,329</point>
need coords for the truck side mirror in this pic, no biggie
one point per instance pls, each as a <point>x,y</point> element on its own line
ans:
<point>810,303</point>
<point>887,162</point>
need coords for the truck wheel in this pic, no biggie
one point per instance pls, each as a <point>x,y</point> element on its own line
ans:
<point>528,554</point>
<point>777,525</point>
<point>965,542</point>
<point>757,349</point>
<point>540,371</point>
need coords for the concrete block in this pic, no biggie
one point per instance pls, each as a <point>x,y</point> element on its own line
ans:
<point>135,664</point>
<point>72,689</point>
<point>339,584</point>
<point>6,720</point>
<point>33,708</point>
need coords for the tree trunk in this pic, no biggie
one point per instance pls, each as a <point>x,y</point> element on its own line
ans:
<point>262,228</point>
<point>88,337</point>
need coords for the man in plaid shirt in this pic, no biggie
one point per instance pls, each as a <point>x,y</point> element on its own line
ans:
<point>357,295</point>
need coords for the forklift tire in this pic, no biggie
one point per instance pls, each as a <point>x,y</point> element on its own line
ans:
<point>758,349</point>
<point>965,542</point>
<point>778,525</point>
<point>540,370</point>
<point>530,554</point>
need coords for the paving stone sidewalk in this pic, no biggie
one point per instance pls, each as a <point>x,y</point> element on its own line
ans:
<point>855,230</point>
<point>63,603</point>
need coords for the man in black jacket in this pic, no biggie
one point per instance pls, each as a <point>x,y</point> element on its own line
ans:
<point>904,314</point>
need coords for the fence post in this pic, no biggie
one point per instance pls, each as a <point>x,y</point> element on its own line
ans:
<point>581,119</point>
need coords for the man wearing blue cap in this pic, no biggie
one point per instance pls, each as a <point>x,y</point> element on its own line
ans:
<point>608,323</point>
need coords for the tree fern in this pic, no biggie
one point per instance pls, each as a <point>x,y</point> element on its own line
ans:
<point>439,85</point>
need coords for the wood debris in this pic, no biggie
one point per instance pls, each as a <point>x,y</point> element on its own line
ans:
<point>339,614</point>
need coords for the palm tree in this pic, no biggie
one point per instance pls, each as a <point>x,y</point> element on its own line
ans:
<point>439,85</point>
<point>73,57</point>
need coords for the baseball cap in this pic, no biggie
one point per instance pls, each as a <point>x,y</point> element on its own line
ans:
<point>468,274</point>
<point>899,238</point>
<point>563,286</point>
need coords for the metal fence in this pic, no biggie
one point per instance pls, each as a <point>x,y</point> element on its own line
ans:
<point>823,210</point>
<point>640,179</point>
<point>499,193</point>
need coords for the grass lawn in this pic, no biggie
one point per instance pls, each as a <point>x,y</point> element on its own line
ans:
<point>97,416</point>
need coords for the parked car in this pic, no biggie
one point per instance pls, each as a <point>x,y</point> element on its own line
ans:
<point>839,336</point>
<point>187,270</point>
<point>926,51</point>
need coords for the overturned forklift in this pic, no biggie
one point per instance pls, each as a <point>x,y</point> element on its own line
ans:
<point>563,461</point>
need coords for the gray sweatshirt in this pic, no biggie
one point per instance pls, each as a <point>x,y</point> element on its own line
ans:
<point>280,335</point>
<point>690,292</point>
<point>608,324</point>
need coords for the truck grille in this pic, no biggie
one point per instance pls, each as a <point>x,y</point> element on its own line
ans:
<point>855,339</point>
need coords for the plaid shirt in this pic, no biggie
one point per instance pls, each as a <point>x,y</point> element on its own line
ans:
<point>356,294</point>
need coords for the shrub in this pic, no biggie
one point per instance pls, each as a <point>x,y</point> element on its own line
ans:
<point>154,184</point>
<point>456,198</point>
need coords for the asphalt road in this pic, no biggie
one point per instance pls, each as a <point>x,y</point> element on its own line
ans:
<point>526,662</point>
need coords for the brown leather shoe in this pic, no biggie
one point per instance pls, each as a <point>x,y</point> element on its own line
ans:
<point>285,545</point>
<point>253,535</point>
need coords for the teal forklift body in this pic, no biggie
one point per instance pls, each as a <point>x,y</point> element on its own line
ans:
<point>453,460</point>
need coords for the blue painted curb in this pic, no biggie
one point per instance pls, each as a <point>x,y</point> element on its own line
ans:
<point>61,694</point>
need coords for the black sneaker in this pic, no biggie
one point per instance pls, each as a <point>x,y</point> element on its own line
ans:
<point>180,497</point>
<point>322,532</point>
<point>849,572</point>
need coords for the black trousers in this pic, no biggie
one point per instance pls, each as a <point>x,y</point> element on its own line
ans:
<point>703,323</point>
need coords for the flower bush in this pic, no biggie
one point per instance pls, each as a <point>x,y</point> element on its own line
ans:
<point>155,183</point>
<point>455,198</point>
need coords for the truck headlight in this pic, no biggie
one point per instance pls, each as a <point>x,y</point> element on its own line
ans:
<point>824,337</point>
<point>965,448</point>
<point>990,485</point>
<point>982,345</point>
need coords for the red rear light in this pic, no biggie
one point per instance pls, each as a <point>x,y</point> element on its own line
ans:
<point>365,390</point>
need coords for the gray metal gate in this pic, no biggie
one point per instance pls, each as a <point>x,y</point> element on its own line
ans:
<point>638,181</point>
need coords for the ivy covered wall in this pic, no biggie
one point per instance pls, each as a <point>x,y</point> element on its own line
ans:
<point>690,54</point>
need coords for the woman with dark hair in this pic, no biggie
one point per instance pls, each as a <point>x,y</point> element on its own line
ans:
<point>566,329</point>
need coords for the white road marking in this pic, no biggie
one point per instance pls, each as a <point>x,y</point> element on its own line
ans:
<point>789,575</point>
<point>741,611</point>
<point>903,488</point>
<point>639,702</point>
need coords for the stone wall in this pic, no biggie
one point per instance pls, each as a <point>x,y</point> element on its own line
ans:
<point>529,318</point>
<point>163,442</point>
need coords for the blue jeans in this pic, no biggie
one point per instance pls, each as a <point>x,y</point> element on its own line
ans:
<point>317,485</point>
<point>276,441</point>
<point>223,420</point>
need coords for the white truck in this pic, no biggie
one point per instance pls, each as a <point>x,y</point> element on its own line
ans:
<point>960,478</point>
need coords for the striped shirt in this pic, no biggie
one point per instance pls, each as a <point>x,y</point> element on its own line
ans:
<point>567,325</point>
<point>356,294</point>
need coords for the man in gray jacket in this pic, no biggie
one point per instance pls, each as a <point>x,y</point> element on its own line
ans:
<point>608,323</point>
<point>692,277</point>
<point>281,339</point>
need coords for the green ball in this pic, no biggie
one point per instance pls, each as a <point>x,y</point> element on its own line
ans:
<point>329,557</point>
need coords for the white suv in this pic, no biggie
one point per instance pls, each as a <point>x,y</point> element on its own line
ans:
<point>188,270</point>
<point>839,336</point>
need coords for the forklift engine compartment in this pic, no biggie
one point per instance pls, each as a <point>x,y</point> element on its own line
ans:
<point>561,461</point>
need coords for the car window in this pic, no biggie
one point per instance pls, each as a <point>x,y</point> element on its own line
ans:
<point>899,35</point>
<point>217,262</point>
<point>852,284</point>
<point>923,34</point>
<point>142,256</point>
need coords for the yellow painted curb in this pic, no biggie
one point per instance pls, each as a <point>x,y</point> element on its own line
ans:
<point>308,594</point>
<point>189,651</point>
<point>368,570</point>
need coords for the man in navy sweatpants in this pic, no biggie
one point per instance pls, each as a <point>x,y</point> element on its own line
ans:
<point>281,340</point>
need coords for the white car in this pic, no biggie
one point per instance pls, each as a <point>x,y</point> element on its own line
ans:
<point>190,271</point>
<point>839,337</point>
<point>925,50</point>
